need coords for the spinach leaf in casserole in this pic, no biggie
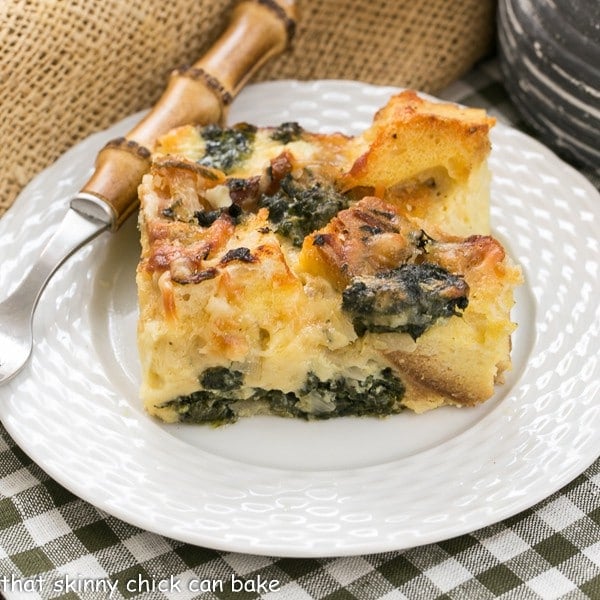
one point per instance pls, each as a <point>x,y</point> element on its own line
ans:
<point>226,147</point>
<point>408,299</point>
<point>301,206</point>
<point>287,132</point>
<point>222,397</point>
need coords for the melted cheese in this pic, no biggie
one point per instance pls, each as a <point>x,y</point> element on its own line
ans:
<point>241,296</point>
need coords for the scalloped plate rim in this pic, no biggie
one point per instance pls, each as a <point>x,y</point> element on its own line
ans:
<point>285,549</point>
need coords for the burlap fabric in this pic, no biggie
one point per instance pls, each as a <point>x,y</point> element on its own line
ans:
<point>69,68</point>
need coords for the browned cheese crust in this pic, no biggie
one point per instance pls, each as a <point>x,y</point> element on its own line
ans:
<point>264,249</point>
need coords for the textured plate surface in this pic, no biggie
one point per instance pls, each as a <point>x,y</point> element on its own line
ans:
<point>280,487</point>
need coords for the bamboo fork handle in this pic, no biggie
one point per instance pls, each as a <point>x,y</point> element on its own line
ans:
<point>258,30</point>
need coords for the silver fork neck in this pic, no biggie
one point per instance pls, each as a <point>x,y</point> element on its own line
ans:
<point>94,208</point>
<point>74,231</point>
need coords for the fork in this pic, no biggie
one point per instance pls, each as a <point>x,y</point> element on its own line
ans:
<point>201,93</point>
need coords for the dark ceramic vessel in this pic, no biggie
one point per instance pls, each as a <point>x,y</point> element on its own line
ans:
<point>550,60</point>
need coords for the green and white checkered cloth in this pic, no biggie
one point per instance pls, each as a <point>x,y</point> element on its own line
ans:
<point>55,545</point>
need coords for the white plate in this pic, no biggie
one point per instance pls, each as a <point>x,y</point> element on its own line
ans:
<point>339,487</point>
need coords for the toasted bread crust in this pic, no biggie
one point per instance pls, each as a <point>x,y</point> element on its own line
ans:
<point>247,268</point>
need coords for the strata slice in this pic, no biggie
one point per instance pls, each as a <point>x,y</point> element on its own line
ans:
<point>316,275</point>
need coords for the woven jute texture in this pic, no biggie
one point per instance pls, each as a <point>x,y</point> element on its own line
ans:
<point>68,69</point>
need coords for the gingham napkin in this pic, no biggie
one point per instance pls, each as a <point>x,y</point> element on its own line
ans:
<point>54,545</point>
